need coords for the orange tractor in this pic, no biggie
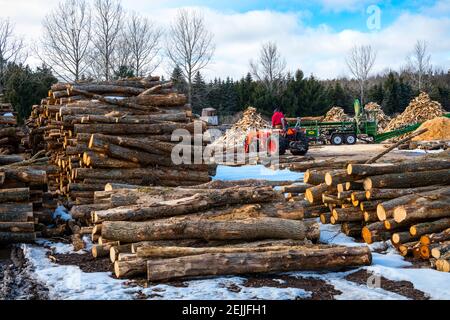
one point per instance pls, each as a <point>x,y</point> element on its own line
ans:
<point>277,141</point>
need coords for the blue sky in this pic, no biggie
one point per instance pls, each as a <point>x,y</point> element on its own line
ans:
<point>315,36</point>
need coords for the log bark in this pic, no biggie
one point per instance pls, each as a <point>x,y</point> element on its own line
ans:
<point>435,237</point>
<point>354,185</point>
<point>314,177</point>
<point>389,168</point>
<point>430,227</point>
<point>27,175</point>
<point>352,229</point>
<point>102,161</point>
<point>408,179</point>
<point>20,227</point>
<point>187,205</point>
<point>249,229</point>
<point>150,129</point>
<point>379,194</point>
<point>440,250</point>
<point>295,188</point>
<point>14,237</point>
<point>385,210</point>
<point>375,232</point>
<point>403,237</point>
<point>10,159</point>
<point>14,195</point>
<point>258,262</point>
<point>348,215</point>
<point>16,212</point>
<point>103,250</point>
<point>335,177</point>
<point>160,100</point>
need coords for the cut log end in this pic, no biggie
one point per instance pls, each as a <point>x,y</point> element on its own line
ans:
<point>367,235</point>
<point>413,230</point>
<point>349,169</point>
<point>309,196</point>
<point>367,184</point>
<point>328,179</point>
<point>399,214</point>
<point>381,213</point>
<point>396,239</point>
<point>425,252</point>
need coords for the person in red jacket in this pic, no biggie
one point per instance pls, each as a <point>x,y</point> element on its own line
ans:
<point>278,121</point>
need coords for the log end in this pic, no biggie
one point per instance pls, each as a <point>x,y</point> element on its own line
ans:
<point>368,195</point>
<point>413,230</point>
<point>387,225</point>
<point>436,253</point>
<point>381,213</point>
<point>349,169</point>
<point>425,240</point>
<point>306,176</point>
<point>399,214</point>
<point>309,196</point>
<point>367,235</point>
<point>403,250</point>
<point>367,184</point>
<point>328,179</point>
<point>395,239</point>
<point>340,188</point>
<point>425,252</point>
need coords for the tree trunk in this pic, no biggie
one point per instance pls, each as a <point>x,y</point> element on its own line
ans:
<point>441,250</point>
<point>435,237</point>
<point>14,195</point>
<point>314,177</point>
<point>378,194</point>
<point>14,237</point>
<point>408,179</point>
<point>389,168</point>
<point>335,177</point>
<point>249,229</point>
<point>314,194</point>
<point>295,188</point>
<point>348,215</point>
<point>403,237</point>
<point>16,212</point>
<point>195,203</point>
<point>430,227</point>
<point>257,262</point>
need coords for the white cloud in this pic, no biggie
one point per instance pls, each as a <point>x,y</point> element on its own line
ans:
<point>344,5</point>
<point>320,50</point>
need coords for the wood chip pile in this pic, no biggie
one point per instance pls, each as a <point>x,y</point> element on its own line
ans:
<point>438,129</point>
<point>118,131</point>
<point>382,119</point>
<point>219,228</point>
<point>404,202</point>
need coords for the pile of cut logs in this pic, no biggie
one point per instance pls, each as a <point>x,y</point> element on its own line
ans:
<point>10,135</point>
<point>403,202</point>
<point>218,228</point>
<point>26,205</point>
<point>119,131</point>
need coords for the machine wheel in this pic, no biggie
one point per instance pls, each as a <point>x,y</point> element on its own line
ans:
<point>350,139</point>
<point>337,139</point>
<point>277,147</point>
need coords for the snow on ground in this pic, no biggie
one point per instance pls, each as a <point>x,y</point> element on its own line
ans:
<point>70,283</point>
<point>258,172</point>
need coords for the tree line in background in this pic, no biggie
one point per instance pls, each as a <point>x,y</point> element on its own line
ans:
<point>99,40</point>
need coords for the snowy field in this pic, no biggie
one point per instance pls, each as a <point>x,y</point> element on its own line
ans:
<point>70,283</point>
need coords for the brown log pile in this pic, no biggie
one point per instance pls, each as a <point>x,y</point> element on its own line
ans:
<point>407,203</point>
<point>10,134</point>
<point>140,228</point>
<point>382,119</point>
<point>115,132</point>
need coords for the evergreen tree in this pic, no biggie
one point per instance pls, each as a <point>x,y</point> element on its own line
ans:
<point>391,95</point>
<point>178,79</point>
<point>199,94</point>
<point>376,94</point>
<point>338,97</point>
<point>124,72</point>
<point>25,87</point>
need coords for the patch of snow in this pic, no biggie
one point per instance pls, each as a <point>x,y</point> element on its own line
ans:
<point>70,283</point>
<point>421,151</point>
<point>331,234</point>
<point>259,172</point>
<point>390,259</point>
<point>8,114</point>
<point>61,213</point>
<point>217,289</point>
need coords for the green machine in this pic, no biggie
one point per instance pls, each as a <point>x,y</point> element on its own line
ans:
<point>363,127</point>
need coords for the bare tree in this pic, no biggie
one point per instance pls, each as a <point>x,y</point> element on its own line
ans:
<point>11,47</point>
<point>66,39</point>
<point>189,45</point>
<point>143,39</point>
<point>360,62</point>
<point>106,33</point>
<point>419,62</point>
<point>270,67</point>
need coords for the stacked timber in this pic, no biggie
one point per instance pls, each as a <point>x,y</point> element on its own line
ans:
<point>18,173</point>
<point>208,230</point>
<point>401,202</point>
<point>120,132</point>
<point>10,134</point>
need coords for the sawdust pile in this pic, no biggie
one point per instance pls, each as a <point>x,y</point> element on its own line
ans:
<point>420,109</point>
<point>438,129</point>
<point>382,119</point>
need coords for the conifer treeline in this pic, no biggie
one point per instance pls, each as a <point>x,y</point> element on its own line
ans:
<point>303,95</point>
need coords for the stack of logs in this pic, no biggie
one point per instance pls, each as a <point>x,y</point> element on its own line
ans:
<point>26,205</point>
<point>118,132</point>
<point>218,228</point>
<point>10,135</point>
<point>405,202</point>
